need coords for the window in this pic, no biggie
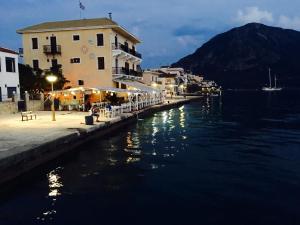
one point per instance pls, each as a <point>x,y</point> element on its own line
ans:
<point>11,91</point>
<point>75,60</point>
<point>35,44</point>
<point>80,82</point>
<point>76,37</point>
<point>101,63</point>
<point>100,40</point>
<point>10,65</point>
<point>35,64</point>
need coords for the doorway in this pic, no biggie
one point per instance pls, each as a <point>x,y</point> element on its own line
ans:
<point>53,44</point>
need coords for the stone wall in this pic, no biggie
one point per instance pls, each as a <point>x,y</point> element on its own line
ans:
<point>8,108</point>
<point>35,105</point>
<point>11,107</point>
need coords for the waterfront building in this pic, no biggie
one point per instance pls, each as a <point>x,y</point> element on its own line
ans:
<point>89,52</point>
<point>167,83</point>
<point>9,74</point>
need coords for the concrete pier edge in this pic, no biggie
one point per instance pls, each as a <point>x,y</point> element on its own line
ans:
<point>21,161</point>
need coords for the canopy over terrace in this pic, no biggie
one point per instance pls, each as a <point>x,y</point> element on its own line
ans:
<point>135,85</point>
<point>149,95</point>
<point>82,97</point>
<point>93,90</point>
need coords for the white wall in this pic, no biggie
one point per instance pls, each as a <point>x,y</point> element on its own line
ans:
<point>8,79</point>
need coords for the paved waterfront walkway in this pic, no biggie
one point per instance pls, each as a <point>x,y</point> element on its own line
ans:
<point>15,133</point>
<point>28,134</point>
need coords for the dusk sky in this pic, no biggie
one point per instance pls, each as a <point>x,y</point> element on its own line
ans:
<point>169,29</point>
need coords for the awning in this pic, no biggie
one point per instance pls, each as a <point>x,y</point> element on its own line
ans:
<point>76,90</point>
<point>87,90</point>
<point>118,90</point>
<point>137,85</point>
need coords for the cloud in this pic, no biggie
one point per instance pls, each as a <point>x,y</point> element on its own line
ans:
<point>254,14</point>
<point>188,40</point>
<point>290,23</point>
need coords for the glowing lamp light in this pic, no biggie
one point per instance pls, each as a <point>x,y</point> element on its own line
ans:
<point>51,78</point>
<point>154,84</point>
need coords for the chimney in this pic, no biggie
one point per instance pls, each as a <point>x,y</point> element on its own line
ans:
<point>110,16</point>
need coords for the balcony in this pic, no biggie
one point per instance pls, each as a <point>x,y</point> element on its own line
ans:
<point>54,69</point>
<point>123,72</point>
<point>52,50</point>
<point>125,51</point>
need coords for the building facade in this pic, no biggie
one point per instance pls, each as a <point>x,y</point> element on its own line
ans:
<point>89,52</point>
<point>9,74</point>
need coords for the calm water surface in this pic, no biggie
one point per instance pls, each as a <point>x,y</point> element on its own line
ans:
<point>233,160</point>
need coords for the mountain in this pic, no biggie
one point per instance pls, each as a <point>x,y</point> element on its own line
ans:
<point>241,57</point>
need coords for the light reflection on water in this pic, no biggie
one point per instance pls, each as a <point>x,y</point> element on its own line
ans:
<point>55,186</point>
<point>235,162</point>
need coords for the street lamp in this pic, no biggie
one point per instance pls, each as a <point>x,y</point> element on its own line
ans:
<point>52,79</point>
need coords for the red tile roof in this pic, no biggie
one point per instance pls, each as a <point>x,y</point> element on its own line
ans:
<point>8,51</point>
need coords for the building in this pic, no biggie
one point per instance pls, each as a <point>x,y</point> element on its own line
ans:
<point>89,52</point>
<point>150,77</point>
<point>9,74</point>
<point>162,81</point>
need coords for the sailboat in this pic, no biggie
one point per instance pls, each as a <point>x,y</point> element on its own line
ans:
<point>270,88</point>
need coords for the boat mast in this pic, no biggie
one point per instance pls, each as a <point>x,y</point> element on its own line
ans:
<point>270,78</point>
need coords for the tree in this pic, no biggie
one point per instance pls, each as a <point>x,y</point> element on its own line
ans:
<point>34,81</point>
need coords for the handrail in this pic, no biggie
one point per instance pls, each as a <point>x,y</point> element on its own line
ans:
<point>125,48</point>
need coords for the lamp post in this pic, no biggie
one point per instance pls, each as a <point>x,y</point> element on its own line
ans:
<point>52,79</point>
<point>182,88</point>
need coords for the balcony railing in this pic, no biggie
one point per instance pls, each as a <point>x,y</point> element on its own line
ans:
<point>128,72</point>
<point>125,48</point>
<point>53,50</point>
<point>54,69</point>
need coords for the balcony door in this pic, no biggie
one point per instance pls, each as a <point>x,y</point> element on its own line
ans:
<point>127,68</point>
<point>53,44</point>
<point>117,63</point>
<point>54,68</point>
<point>116,41</point>
<point>126,46</point>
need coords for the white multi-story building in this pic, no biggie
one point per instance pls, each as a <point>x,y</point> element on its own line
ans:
<point>9,74</point>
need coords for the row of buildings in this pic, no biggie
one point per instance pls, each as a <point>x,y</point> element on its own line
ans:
<point>94,53</point>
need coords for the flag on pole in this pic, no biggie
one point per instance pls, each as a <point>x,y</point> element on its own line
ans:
<point>81,6</point>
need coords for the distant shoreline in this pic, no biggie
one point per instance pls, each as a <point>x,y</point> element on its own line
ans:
<point>259,90</point>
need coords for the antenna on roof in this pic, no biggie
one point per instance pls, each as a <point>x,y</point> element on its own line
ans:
<point>110,15</point>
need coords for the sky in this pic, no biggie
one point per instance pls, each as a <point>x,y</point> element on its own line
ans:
<point>169,29</point>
